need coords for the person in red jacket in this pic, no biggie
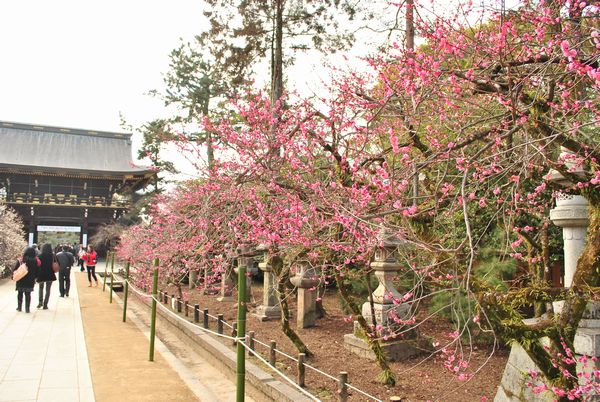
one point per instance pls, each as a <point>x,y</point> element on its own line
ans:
<point>90,257</point>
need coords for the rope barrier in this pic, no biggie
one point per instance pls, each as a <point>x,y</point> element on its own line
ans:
<point>363,393</point>
<point>261,343</point>
<point>321,372</point>
<point>181,318</point>
<point>286,355</point>
<point>299,388</point>
<point>227,324</point>
<point>254,353</point>
<point>231,338</point>
<point>131,287</point>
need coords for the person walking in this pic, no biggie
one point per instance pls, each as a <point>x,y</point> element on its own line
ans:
<point>25,285</point>
<point>46,275</point>
<point>90,257</point>
<point>65,261</point>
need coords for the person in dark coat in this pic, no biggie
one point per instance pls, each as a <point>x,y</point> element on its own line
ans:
<point>65,260</point>
<point>25,284</point>
<point>46,275</point>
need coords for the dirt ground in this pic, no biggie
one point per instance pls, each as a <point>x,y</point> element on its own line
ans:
<point>419,379</point>
<point>118,354</point>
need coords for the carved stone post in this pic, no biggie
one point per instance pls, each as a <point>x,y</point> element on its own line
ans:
<point>192,278</point>
<point>269,309</point>
<point>306,279</point>
<point>226,293</point>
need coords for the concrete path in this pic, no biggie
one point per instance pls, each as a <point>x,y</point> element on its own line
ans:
<point>43,354</point>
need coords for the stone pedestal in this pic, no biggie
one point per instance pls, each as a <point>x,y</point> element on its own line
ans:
<point>587,337</point>
<point>269,309</point>
<point>306,280</point>
<point>513,387</point>
<point>395,350</point>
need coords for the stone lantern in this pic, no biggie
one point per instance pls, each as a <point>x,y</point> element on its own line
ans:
<point>386,307</point>
<point>386,267</point>
<point>306,280</point>
<point>571,213</point>
<point>193,278</point>
<point>269,309</point>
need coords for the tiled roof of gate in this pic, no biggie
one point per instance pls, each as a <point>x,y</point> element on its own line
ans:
<point>56,149</point>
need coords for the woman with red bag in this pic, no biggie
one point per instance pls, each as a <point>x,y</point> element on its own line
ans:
<point>25,284</point>
<point>90,257</point>
<point>46,275</point>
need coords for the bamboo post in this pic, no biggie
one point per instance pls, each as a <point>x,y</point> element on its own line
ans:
<point>112,277</point>
<point>241,332</point>
<point>273,353</point>
<point>125,291</point>
<point>105,273</point>
<point>186,309</point>
<point>153,317</point>
<point>343,386</point>
<point>178,304</point>
<point>301,369</point>
<point>220,323</point>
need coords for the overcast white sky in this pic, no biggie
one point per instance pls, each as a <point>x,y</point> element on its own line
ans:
<point>78,63</point>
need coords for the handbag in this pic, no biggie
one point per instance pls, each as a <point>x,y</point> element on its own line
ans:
<point>55,265</point>
<point>20,272</point>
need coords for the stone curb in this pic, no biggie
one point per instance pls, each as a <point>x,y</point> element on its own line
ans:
<point>261,385</point>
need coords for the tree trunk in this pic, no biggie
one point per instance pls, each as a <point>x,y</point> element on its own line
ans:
<point>387,375</point>
<point>410,25</point>
<point>320,310</point>
<point>276,72</point>
<point>283,276</point>
<point>210,153</point>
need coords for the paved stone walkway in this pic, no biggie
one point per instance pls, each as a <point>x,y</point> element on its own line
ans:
<point>43,355</point>
<point>79,350</point>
